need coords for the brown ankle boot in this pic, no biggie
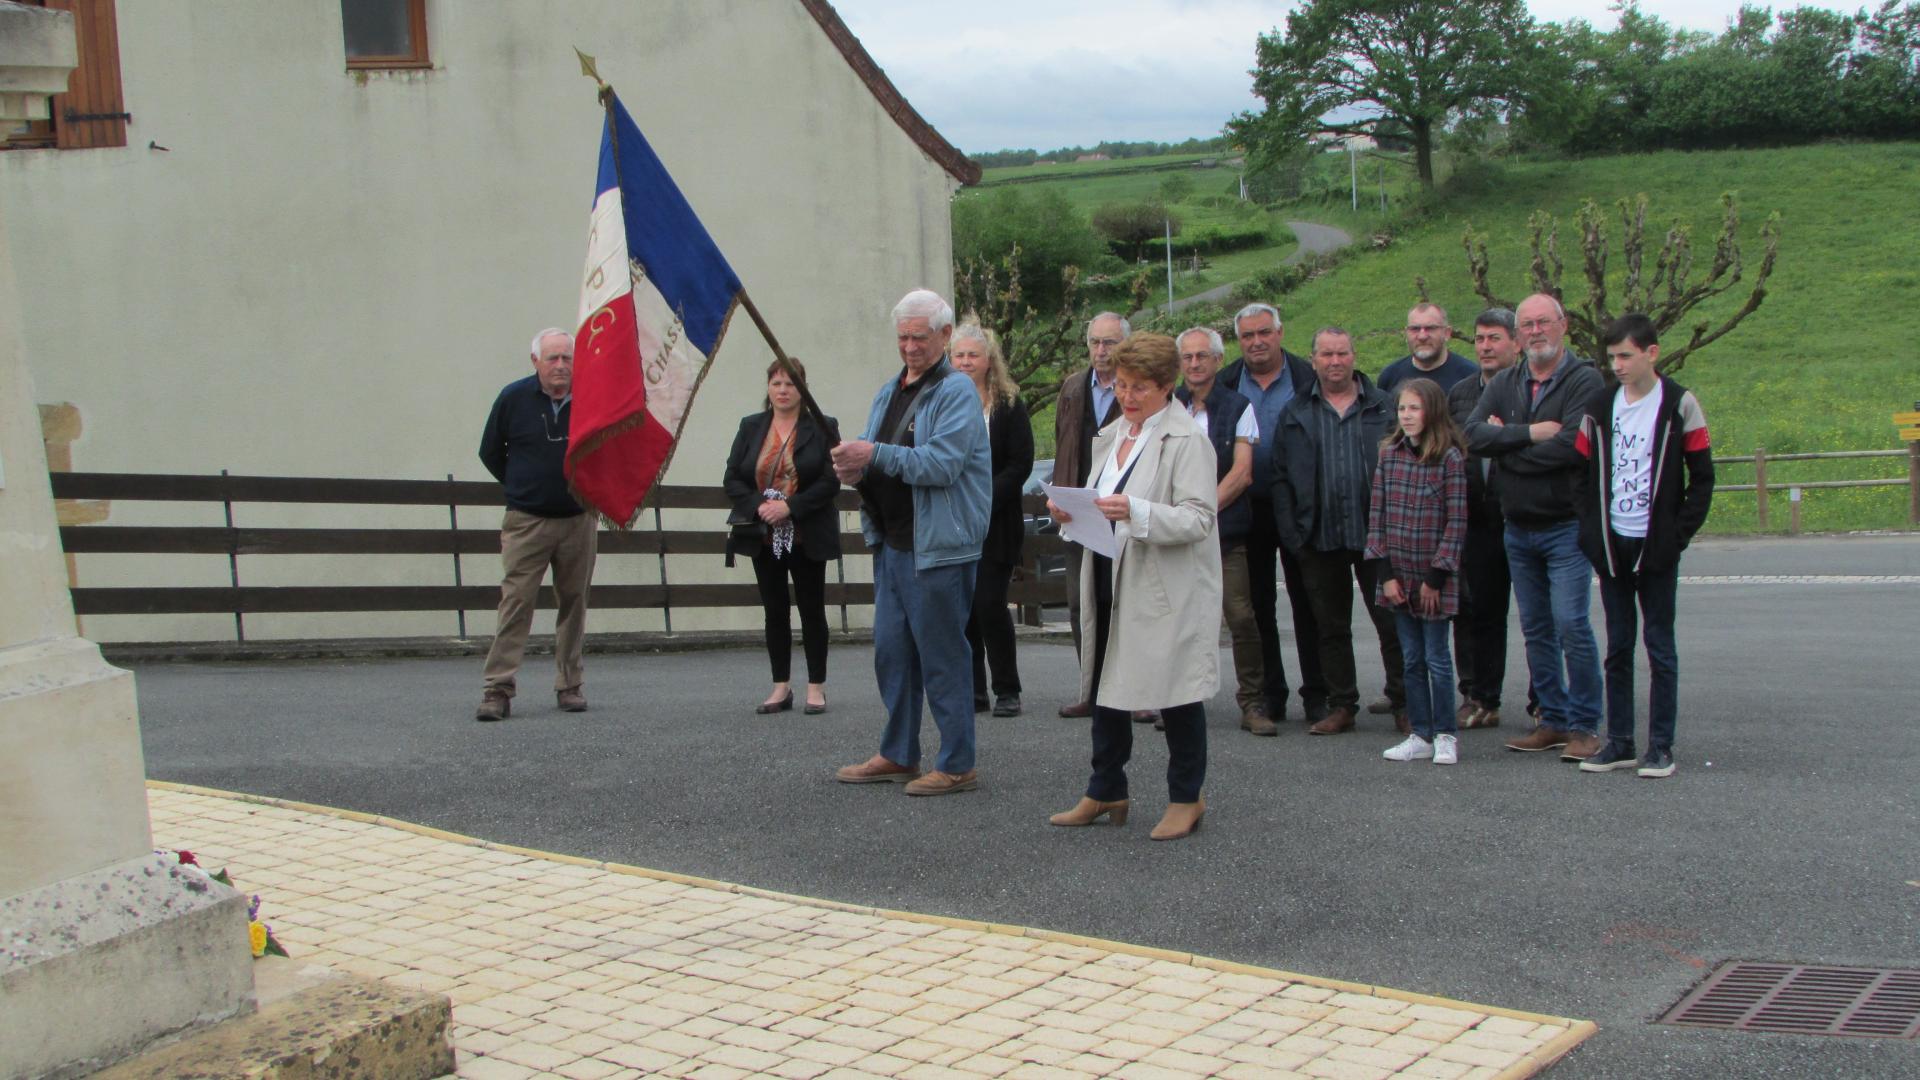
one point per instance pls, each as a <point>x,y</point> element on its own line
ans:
<point>1087,811</point>
<point>1181,820</point>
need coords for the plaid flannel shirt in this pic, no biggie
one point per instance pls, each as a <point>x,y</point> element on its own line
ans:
<point>1417,522</point>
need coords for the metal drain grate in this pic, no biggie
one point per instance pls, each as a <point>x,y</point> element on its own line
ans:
<point>1879,1003</point>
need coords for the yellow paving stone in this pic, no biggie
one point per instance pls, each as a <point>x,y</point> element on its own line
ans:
<point>1432,1030</point>
<point>482,1042</point>
<point>535,1056</point>
<point>1078,1042</point>
<point>905,1026</point>
<point>794,1069</point>
<point>1390,1060</point>
<point>1303,992</point>
<point>918,1050</point>
<point>1475,1055</point>
<point>829,1053</point>
<point>713,1070</point>
<point>677,1044</point>
<point>984,1065</point>
<point>1353,1036</point>
<point>868,1039</point>
<point>1506,1044</point>
<point>1507,1025</point>
<point>757,1038</point>
<point>589,1069</point>
<point>585,1044</point>
<point>1343,1070</point>
<point>1370,1003</point>
<point>1407,1044</point>
<point>1305,1044</point>
<point>1037,1071</point>
<point>702,1027</point>
<point>645,1058</point>
<point>1436,1069</point>
<point>1442,1015</point>
<point>491,1068</point>
<point>1083,1022</point>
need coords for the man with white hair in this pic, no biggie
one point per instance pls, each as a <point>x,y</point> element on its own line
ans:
<point>524,446</point>
<point>1527,421</point>
<point>1086,404</point>
<point>925,473</point>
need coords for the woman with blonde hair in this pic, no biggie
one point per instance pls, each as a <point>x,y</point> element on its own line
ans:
<point>975,353</point>
<point>1152,632</point>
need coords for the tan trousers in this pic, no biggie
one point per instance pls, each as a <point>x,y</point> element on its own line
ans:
<point>528,545</point>
<point>1236,606</point>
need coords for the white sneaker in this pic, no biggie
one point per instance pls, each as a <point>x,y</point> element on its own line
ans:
<point>1414,749</point>
<point>1446,750</point>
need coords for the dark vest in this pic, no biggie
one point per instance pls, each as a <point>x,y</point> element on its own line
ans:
<point>1224,409</point>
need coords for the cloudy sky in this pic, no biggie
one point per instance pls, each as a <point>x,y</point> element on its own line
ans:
<point>1041,74</point>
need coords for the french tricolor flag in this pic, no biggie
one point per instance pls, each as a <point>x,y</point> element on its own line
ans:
<point>654,305</point>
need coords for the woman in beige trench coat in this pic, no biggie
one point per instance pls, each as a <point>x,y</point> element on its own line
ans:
<point>1153,634</point>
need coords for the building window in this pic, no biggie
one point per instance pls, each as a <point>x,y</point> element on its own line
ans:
<point>93,111</point>
<point>385,33</point>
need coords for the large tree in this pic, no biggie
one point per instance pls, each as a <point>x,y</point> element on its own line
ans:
<point>1343,67</point>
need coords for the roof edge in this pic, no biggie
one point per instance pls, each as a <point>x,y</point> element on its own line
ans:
<point>930,141</point>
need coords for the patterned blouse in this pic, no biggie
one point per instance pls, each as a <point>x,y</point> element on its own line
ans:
<point>1417,522</point>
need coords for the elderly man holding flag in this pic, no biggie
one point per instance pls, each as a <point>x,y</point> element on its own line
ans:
<point>925,473</point>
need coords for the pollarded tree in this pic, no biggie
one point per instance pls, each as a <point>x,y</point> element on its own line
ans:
<point>1666,295</point>
<point>1344,66</point>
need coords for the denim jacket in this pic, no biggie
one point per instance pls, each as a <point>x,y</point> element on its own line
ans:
<point>950,468</point>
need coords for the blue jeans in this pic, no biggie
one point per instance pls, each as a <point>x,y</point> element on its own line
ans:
<point>1429,667</point>
<point>920,652</point>
<point>1632,601</point>
<point>1553,585</point>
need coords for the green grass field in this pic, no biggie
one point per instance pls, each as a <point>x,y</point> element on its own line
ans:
<point>1072,169</point>
<point>1822,365</point>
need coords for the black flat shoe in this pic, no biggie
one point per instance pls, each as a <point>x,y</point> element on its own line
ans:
<point>783,705</point>
<point>814,710</point>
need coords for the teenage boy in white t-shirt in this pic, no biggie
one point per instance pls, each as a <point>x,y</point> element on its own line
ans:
<point>1645,491</point>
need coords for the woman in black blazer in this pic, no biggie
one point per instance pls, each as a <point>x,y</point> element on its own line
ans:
<point>975,352</point>
<point>781,483</point>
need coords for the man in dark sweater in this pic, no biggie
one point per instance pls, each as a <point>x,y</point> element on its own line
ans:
<point>524,446</point>
<point>1527,420</point>
<point>1480,629</point>
<point>1428,356</point>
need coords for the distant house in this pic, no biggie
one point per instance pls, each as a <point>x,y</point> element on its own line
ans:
<point>275,239</point>
<point>1092,157</point>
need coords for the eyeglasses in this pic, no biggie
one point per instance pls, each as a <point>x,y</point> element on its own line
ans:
<point>547,419</point>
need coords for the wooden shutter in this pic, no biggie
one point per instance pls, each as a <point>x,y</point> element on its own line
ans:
<point>93,111</point>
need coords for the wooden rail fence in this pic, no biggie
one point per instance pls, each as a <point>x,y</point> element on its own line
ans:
<point>236,542</point>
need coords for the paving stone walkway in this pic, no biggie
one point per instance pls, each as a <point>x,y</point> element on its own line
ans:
<point>565,967</point>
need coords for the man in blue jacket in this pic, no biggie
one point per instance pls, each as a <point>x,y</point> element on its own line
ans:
<point>925,473</point>
<point>524,446</point>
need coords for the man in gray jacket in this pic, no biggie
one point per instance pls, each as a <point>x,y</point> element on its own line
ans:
<point>1526,422</point>
<point>924,470</point>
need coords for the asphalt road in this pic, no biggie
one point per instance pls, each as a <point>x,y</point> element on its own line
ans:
<point>1787,835</point>
<point>1314,239</point>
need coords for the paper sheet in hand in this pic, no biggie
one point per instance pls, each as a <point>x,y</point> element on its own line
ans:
<point>1089,527</point>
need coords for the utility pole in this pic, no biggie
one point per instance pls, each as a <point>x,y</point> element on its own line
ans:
<point>1353,170</point>
<point>1168,222</point>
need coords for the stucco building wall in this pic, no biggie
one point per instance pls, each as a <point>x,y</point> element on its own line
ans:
<point>330,273</point>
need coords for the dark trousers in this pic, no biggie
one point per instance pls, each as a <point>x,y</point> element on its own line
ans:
<point>1480,630</point>
<point>990,630</point>
<point>1329,578</point>
<point>809,595</point>
<point>1113,728</point>
<point>1074,551</point>
<point>1634,601</point>
<point>1263,546</point>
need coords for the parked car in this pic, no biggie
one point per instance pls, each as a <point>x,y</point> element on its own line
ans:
<point>1051,567</point>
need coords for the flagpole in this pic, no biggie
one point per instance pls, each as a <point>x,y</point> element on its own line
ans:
<point>814,412</point>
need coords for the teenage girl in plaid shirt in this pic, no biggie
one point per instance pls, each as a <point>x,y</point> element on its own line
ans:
<point>1416,527</point>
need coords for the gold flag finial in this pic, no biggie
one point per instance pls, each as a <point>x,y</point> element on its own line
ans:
<point>588,69</point>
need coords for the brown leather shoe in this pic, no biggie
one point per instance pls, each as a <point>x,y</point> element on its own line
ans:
<point>940,783</point>
<point>1400,722</point>
<point>1087,811</point>
<point>1255,720</point>
<point>494,705</point>
<point>1581,746</point>
<point>1338,721</point>
<point>1181,820</point>
<point>1542,737</point>
<point>1144,716</point>
<point>571,700</point>
<point>1463,716</point>
<point>1482,717</point>
<point>1077,710</point>
<point>876,770</point>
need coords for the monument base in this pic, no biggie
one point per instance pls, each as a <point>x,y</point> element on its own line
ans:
<point>313,1024</point>
<point>97,966</point>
